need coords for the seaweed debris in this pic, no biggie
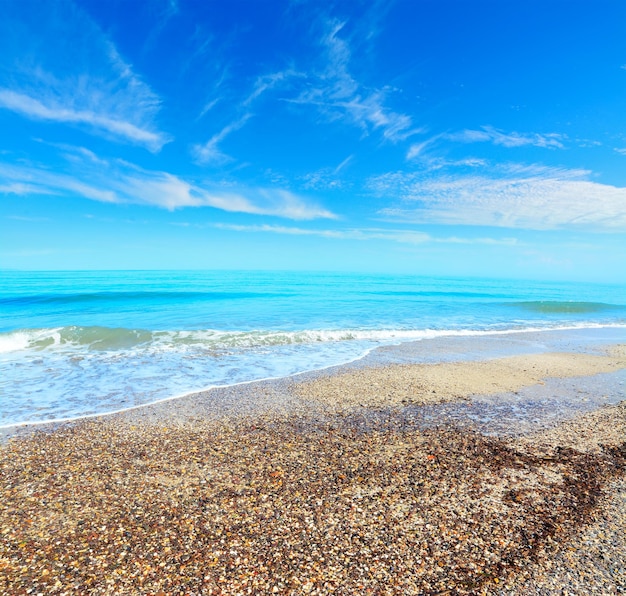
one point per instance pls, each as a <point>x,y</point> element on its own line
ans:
<point>286,505</point>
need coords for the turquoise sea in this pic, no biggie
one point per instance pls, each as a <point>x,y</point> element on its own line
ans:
<point>74,344</point>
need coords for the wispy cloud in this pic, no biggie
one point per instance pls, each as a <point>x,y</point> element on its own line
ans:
<point>426,155</point>
<point>97,89</point>
<point>343,164</point>
<point>425,151</point>
<point>337,94</point>
<point>57,111</point>
<point>20,188</point>
<point>26,218</point>
<point>329,87</point>
<point>322,180</point>
<point>327,178</point>
<point>267,82</point>
<point>118,181</point>
<point>208,106</point>
<point>401,236</point>
<point>511,139</point>
<point>527,197</point>
<point>164,12</point>
<point>38,180</point>
<point>272,229</point>
<point>209,152</point>
<point>419,149</point>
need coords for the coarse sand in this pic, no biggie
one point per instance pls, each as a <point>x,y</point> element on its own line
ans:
<point>348,493</point>
<point>434,383</point>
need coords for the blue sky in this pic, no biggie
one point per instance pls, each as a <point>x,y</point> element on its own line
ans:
<point>431,137</point>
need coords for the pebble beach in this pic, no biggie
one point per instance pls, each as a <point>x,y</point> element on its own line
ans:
<point>359,480</point>
<point>312,298</point>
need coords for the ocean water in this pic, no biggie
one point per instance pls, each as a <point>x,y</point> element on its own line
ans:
<point>76,344</point>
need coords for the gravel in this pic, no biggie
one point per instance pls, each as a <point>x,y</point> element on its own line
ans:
<point>343,493</point>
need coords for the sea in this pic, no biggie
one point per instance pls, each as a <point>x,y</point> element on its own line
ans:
<point>82,343</point>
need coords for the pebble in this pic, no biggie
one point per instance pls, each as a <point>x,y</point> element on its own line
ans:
<point>362,500</point>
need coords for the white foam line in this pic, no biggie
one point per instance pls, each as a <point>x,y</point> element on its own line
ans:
<point>363,355</point>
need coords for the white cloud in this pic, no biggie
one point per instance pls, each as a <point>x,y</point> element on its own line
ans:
<point>528,197</point>
<point>41,181</point>
<point>74,152</point>
<point>512,139</point>
<point>336,93</point>
<point>20,188</point>
<point>85,82</point>
<point>401,236</point>
<point>418,149</point>
<point>208,106</point>
<point>331,89</point>
<point>272,229</point>
<point>209,152</point>
<point>322,180</point>
<point>327,178</point>
<point>404,236</point>
<point>267,82</point>
<point>57,111</point>
<point>420,152</point>
<point>621,150</point>
<point>121,182</point>
<point>343,164</point>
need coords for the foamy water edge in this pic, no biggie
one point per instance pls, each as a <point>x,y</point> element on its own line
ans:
<point>434,335</point>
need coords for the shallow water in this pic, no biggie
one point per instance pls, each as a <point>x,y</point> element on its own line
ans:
<point>74,344</point>
<point>524,412</point>
<point>531,409</point>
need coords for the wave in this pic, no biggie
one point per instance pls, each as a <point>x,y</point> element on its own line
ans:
<point>566,307</point>
<point>434,294</point>
<point>105,338</point>
<point>150,296</point>
<point>95,338</point>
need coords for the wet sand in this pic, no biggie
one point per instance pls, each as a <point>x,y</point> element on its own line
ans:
<point>402,384</point>
<point>389,479</point>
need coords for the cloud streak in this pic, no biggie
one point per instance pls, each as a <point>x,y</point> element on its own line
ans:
<point>57,112</point>
<point>523,197</point>
<point>97,91</point>
<point>512,139</point>
<point>209,152</point>
<point>337,94</point>
<point>366,234</point>
<point>327,178</point>
<point>329,87</point>
<point>124,183</point>
<point>487,134</point>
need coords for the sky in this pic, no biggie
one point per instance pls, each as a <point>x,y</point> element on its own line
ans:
<point>434,137</point>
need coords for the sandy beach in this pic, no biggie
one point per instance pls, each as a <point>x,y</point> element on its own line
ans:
<point>442,478</point>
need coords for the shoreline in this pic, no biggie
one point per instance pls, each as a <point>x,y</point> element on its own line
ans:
<point>326,483</point>
<point>447,348</point>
